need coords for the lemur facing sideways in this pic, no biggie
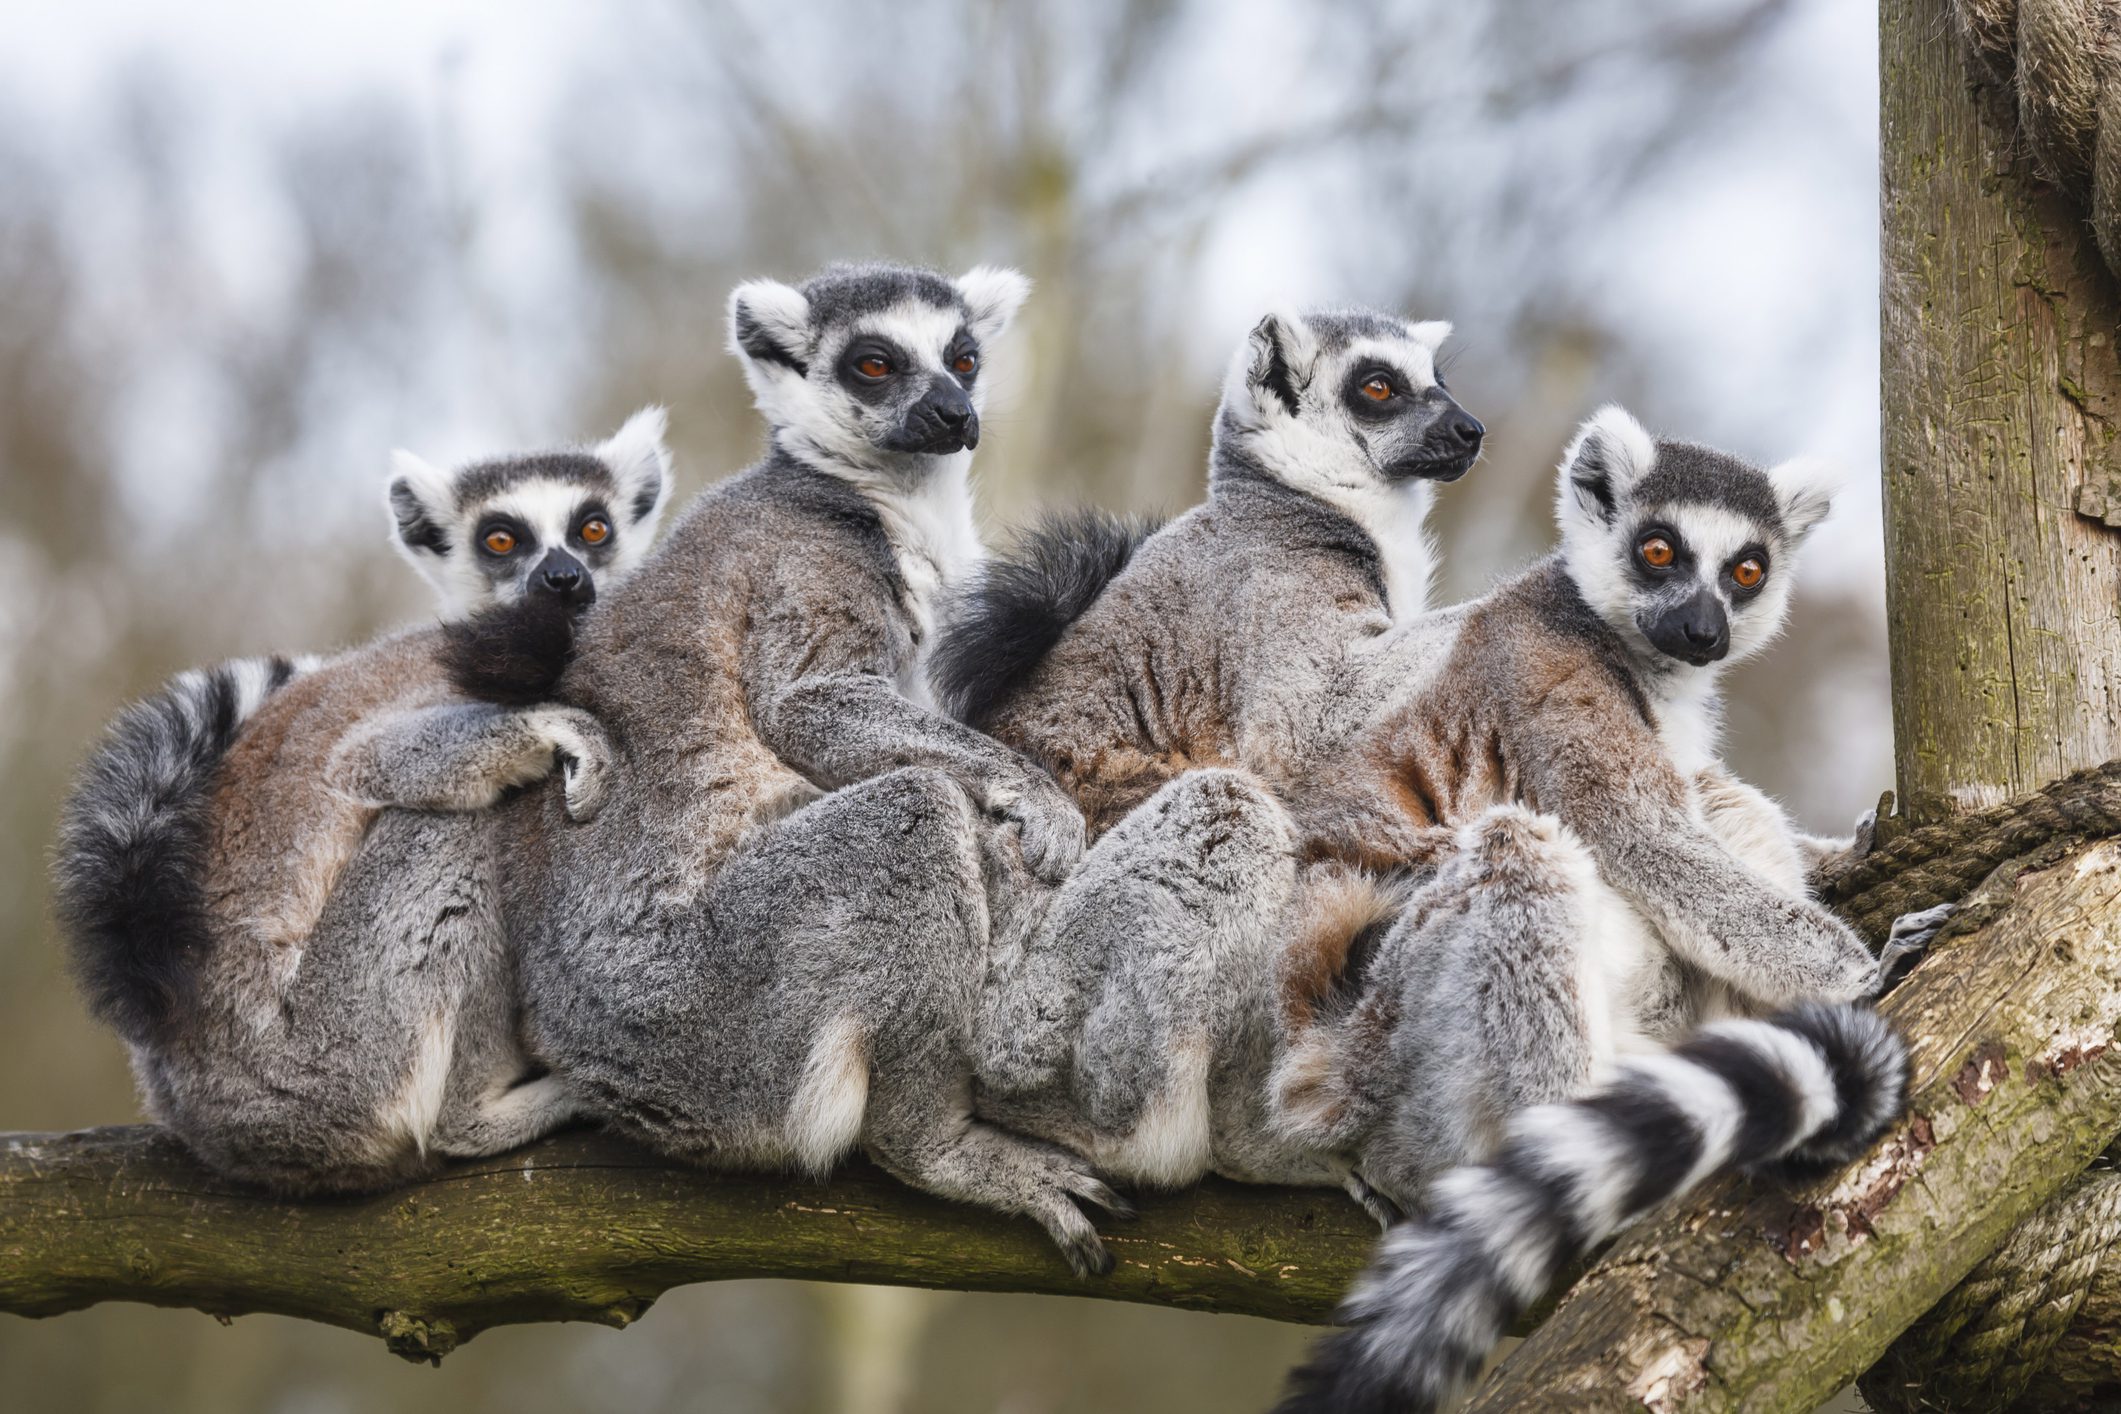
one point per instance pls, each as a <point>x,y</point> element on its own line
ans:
<point>1170,682</point>
<point>767,949</point>
<point>273,876</point>
<point>1609,891</point>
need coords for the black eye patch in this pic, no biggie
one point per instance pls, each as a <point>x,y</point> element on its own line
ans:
<point>520,537</point>
<point>1359,392</point>
<point>857,367</point>
<point>1647,575</point>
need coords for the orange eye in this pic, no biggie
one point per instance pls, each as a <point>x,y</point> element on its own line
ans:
<point>595,531</point>
<point>965,363</point>
<point>1657,552</point>
<point>873,366</point>
<point>499,541</point>
<point>1748,573</point>
<point>1377,389</point>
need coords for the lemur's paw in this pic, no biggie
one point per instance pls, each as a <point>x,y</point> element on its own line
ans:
<point>1910,938</point>
<point>1381,1208</point>
<point>1049,827</point>
<point>584,757</point>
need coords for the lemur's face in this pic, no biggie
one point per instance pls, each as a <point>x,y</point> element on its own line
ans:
<point>1341,401</point>
<point>1685,550</point>
<point>555,523</point>
<point>873,366</point>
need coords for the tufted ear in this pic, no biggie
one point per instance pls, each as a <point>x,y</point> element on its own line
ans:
<point>421,505</point>
<point>992,295</point>
<point>640,462</point>
<point>1430,333</point>
<point>1611,452</point>
<point>1806,487</point>
<point>769,327</point>
<point>1278,358</point>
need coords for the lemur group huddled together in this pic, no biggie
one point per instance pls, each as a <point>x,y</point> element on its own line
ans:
<point>1133,854</point>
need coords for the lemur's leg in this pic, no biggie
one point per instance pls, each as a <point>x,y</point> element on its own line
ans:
<point>1502,985</point>
<point>337,1081</point>
<point>1170,917</point>
<point>850,948</point>
<point>493,1101</point>
<point>462,756</point>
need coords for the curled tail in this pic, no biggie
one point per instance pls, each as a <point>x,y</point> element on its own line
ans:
<point>1811,1087</point>
<point>132,843</point>
<point>1010,617</point>
<point>512,654</point>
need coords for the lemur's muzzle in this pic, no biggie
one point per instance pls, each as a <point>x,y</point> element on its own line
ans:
<point>943,421</point>
<point>1448,448</point>
<point>564,577</point>
<point>1697,631</point>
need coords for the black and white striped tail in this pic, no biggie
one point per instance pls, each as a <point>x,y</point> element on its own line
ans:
<point>1809,1088</point>
<point>132,841</point>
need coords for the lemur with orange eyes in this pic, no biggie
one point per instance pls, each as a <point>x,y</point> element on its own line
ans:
<point>273,874</point>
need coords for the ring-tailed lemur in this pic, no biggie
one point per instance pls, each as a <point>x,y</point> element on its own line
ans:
<point>730,978</point>
<point>1514,1015</point>
<point>1170,681</point>
<point>311,982</point>
<point>1120,658</point>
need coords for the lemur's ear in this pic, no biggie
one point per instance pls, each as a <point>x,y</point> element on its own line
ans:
<point>1611,452</point>
<point>1430,333</point>
<point>769,327</point>
<point>992,296</point>
<point>1806,487</point>
<point>640,462</point>
<point>420,503</point>
<point>1278,356</point>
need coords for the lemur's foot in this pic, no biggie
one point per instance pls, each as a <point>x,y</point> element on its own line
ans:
<point>1376,1204</point>
<point>1911,935</point>
<point>1049,826</point>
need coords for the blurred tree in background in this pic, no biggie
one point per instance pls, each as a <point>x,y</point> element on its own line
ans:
<point>218,313</point>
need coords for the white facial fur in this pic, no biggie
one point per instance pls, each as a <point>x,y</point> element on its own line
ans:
<point>440,537</point>
<point>1321,448</point>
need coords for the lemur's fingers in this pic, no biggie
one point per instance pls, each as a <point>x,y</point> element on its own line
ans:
<point>1049,831</point>
<point>1376,1204</point>
<point>1910,938</point>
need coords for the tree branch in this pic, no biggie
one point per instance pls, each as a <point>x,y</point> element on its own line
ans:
<point>583,1227</point>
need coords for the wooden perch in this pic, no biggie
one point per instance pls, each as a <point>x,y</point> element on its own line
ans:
<point>585,1228</point>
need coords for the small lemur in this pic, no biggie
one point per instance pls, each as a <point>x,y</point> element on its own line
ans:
<point>767,949</point>
<point>1608,891</point>
<point>267,873</point>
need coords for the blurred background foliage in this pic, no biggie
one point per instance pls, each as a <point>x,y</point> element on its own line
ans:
<point>246,249</point>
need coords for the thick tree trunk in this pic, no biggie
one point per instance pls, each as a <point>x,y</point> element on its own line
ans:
<point>2001,383</point>
<point>584,1228</point>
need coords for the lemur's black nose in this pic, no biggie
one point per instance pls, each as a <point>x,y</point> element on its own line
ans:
<point>563,576</point>
<point>1464,428</point>
<point>953,415</point>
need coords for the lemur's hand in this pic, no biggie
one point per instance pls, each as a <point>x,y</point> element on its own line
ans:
<point>1049,825</point>
<point>584,756</point>
<point>1910,938</point>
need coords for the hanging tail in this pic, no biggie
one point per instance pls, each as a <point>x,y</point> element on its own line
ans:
<point>132,843</point>
<point>1807,1089</point>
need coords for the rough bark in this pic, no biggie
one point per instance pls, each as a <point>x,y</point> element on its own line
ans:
<point>1756,1296</point>
<point>585,1228</point>
<point>2001,382</point>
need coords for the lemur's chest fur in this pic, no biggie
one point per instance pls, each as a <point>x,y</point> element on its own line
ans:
<point>935,546</point>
